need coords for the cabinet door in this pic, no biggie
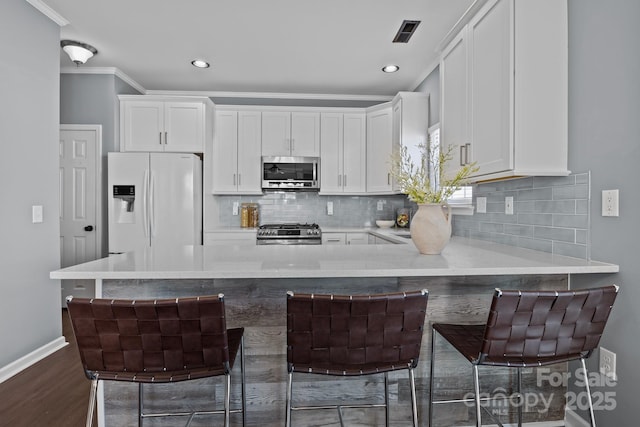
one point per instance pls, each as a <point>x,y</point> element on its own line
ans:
<point>225,147</point>
<point>249,149</point>
<point>305,134</point>
<point>333,238</point>
<point>142,126</point>
<point>331,152</point>
<point>354,175</point>
<point>184,127</point>
<point>379,150</point>
<point>276,133</point>
<point>490,60</point>
<point>357,238</point>
<point>454,103</point>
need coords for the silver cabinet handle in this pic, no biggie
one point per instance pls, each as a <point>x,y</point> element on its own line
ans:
<point>466,153</point>
<point>234,179</point>
<point>166,139</point>
<point>388,179</point>
<point>160,138</point>
<point>344,181</point>
<point>293,145</point>
<point>463,148</point>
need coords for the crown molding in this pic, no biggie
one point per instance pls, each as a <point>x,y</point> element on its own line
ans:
<point>48,12</point>
<point>105,70</point>
<point>274,95</point>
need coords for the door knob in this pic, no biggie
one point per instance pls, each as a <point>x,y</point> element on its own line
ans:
<point>88,228</point>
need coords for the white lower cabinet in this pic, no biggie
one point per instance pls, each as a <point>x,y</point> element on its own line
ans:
<point>230,238</point>
<point>354,238</point>
<point>333,238</point>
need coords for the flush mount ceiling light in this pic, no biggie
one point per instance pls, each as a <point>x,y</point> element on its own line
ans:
<point>78,52</point>
<point>390,68</point>
<point>200,63</point>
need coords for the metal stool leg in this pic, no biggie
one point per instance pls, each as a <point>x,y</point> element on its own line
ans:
<point>586,386</point>
<point>243,388</point>
<point>140,402</point>
<point>520,399</point>
<point>476,385</point>
<point>431,381</point>
<point>288,411</point>
<point>414,404</point>
<point>386,399</point>
<point>92,402</point>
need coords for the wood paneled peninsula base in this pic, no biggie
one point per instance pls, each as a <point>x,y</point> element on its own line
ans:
<point>254,280</point>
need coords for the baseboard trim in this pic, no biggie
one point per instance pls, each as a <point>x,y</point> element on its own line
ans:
<point>27,360</point>
<point>572,419</point>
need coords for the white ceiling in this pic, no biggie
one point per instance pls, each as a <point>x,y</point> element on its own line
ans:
<point>277,46</point>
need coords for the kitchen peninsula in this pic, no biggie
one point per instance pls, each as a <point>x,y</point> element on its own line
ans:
<point>255,279</point>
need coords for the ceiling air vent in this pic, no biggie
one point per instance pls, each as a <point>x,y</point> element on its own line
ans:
<point>406,31</point>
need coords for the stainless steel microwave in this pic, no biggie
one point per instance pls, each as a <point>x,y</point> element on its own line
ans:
<point>290,173</point>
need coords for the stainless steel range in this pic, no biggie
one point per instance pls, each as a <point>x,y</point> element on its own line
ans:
<point>289,234</point>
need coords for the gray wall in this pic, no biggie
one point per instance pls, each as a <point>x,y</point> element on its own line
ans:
<point>92,99</point>
<point>604,132</point>
<point>29,66</point>
<point>431,86</point>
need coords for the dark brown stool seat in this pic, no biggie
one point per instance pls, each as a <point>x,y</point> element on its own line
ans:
<point>156,341</point>
<point>352,335</point>
<point>529,329</point>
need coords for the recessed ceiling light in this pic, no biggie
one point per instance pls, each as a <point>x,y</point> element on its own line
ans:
<point>200,63</point>
<point>390,68</point>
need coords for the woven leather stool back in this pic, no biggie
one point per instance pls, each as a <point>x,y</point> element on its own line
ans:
<point>151,341</point>
<point>537,327</point>
<point>354,335</point>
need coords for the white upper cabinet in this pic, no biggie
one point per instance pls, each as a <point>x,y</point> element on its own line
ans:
<point>290,133</point>
<point>504,90</point>
<point>343,153</point>
<point>236,152</point>
<point>152,124</point>
<point>379,150</point>
<point>410,122</point>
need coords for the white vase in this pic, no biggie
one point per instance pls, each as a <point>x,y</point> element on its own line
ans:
<point>431,228</point>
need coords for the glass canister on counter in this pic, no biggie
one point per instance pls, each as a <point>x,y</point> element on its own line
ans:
<point>403,217</point>
<point>249,217</point>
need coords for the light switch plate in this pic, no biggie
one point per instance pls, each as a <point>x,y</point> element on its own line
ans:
<point>235,208</point>
<point>329,208</point>
<point>37,214</point>
<point>481,204</point>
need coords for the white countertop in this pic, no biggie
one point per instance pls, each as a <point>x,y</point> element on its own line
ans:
<point>461,257</point>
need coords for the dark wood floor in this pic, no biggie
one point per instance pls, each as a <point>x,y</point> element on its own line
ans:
<point>52,392</point>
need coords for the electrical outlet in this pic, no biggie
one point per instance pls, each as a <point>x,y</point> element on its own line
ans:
<point>481,204</point>
<point>508,205</point>
<point>610,200</point>
<point>381,204</point>
<point>329,208</point>
<point>608,363</point>
<point>235,208</point>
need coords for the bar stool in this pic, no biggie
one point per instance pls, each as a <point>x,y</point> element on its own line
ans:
<point>529,329</point>
<point>352,335</point>
<point>156,341</point>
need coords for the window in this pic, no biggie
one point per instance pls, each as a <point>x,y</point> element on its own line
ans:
<point>464,195</point>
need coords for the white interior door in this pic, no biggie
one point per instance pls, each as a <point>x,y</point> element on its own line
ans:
<point>79,151</point>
